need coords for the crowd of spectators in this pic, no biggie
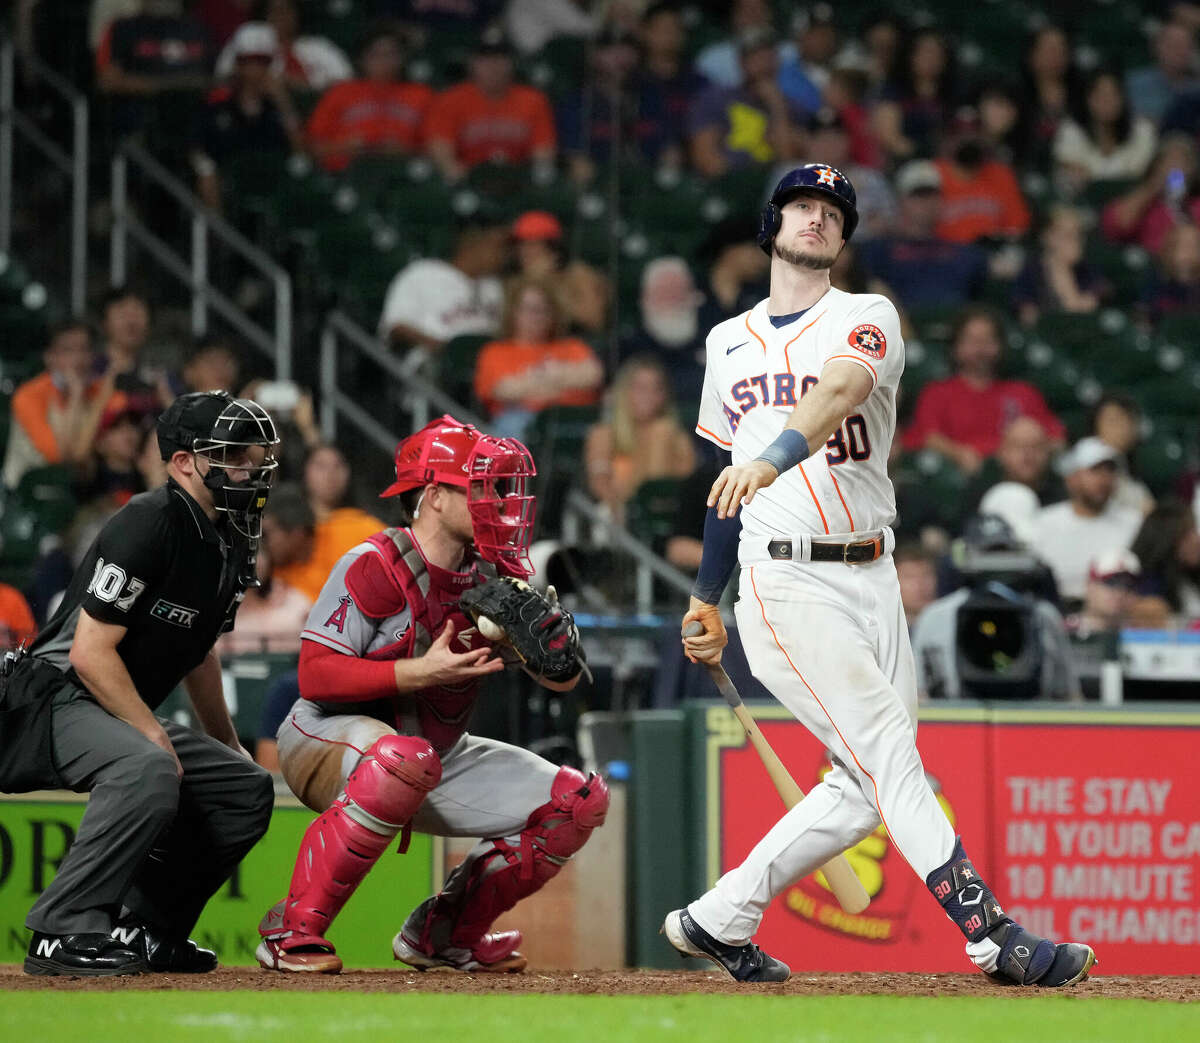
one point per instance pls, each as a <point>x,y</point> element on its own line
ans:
<point>1001,198</point>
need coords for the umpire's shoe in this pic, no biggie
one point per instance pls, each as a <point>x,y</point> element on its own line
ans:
<point>91,955</point>
<point>745,962</point>
<point>162,952</point>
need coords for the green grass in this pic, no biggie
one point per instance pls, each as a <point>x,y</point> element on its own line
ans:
<point>298,1018</point>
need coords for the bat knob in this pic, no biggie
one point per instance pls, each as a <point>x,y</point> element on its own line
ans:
<point>694,629</point>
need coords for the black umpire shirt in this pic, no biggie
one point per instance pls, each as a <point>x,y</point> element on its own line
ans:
<point>161,569</point>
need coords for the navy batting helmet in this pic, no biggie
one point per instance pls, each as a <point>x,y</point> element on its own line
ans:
<point>814,177</point>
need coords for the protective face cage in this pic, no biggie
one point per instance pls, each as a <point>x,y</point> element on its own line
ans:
<point>240,453</point>
<point>502,506</point>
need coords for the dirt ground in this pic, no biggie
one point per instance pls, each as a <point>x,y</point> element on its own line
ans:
<point>608,983</point>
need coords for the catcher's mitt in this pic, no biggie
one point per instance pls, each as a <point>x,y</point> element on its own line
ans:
<point>541,632</point>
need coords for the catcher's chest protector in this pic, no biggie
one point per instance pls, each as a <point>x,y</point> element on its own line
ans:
<point>399,576</point>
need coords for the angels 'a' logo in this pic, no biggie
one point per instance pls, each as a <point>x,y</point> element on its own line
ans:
<point>869,340</point>
<point>827,176</point>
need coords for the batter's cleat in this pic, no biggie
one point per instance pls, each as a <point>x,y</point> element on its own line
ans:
<point>1026,959</point>
<point>494,953</point>
<point>164,953</point>
<point>88,955</point>
<point>744,962</point>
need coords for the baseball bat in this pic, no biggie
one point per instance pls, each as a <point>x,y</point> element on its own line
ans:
<point>847,888</point>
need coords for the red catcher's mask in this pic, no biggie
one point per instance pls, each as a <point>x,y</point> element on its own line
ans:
<point>496,474</point>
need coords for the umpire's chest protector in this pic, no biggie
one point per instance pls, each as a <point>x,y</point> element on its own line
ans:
<point>413,600</point>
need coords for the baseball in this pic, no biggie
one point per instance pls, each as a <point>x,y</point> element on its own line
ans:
<point>492,631</point>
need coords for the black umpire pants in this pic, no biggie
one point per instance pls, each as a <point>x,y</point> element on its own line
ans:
<point>151,842</point>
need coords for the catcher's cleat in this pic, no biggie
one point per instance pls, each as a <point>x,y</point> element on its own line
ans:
<point>494,953</point>
<point>746,963</point>
<point>87,955</point>
<point>312,956</point>
<point>1026,959</point>
<point>162,952</point>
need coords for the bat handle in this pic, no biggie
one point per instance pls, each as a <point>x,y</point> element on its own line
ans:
<point>715,670</point>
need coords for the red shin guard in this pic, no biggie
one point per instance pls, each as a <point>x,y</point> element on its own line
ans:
<point>500,878</point>
<point>382,794</point>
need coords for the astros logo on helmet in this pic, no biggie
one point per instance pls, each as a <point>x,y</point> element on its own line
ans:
<point>817,177</point>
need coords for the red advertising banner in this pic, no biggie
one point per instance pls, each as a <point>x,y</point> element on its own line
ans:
<point>1085,828</point>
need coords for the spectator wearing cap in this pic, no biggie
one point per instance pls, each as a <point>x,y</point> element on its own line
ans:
<point>963,417</point>
<point>489,118</point>
<point>531,24</point>
<point>669,329</point>
<point>720,62</point>
<point>1111,600</point>
<point>110,472</point>
<point>1068,535</point>
<point>160,49</point>
<point>829,138</point>
<point>535,365</point>
<point>605,119</point>
<point>431,301</point>
<point>1103,140</point>
<point>377,114</point>
<point>912,264</point>
<point>1152,89</point>
<point>981,199</point>
<point>805,61</point>
<point>1168,548</point>
<point>252,115</point>
<point>303,62</point>
<point>1058,278</point>
<point>582,289</point>
<point>736,127</point>
<point>49,411</point>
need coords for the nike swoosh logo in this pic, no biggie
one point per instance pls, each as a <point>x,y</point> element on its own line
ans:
<point>730,351</point>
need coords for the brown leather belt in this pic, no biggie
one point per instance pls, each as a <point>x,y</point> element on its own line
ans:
<point>856,553</point>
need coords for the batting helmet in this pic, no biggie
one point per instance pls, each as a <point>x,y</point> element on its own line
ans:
<point>813,177</point>
<point>494,472</point>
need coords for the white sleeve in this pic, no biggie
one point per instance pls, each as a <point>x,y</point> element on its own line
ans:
<point>713,423</point>
<point>870,336</point>
<point>403,302</point>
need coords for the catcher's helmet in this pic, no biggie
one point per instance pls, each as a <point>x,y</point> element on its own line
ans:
<point>494,472</point>
<point>230,434</point>
<point>814,177</point>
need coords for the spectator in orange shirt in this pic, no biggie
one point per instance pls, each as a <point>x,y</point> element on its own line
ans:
<point>378,114</point>
<point>49,411</point>
<point>980,195</point>
<point>534,366</point>
<point>489,117</point>
<point>335,527</point>
<point>16,620</point>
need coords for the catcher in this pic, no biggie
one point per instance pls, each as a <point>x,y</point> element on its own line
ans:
<point>390,665</point>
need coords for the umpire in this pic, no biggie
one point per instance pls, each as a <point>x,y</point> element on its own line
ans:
<point>171,811</point>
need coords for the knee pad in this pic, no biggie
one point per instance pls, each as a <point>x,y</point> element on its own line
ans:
<point>562,825</point>
<point>389,784</point>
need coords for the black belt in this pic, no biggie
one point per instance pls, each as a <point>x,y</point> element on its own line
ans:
<point>856,553</point>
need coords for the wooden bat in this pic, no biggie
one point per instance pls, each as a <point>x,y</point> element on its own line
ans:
<point>847,888</point>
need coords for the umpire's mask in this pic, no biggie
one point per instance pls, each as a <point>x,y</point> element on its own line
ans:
<point>236,439</point>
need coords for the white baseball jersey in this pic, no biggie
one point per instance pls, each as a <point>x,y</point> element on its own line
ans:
<point>756,372</point>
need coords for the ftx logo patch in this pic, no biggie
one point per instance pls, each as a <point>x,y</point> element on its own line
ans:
<point>178,615</point>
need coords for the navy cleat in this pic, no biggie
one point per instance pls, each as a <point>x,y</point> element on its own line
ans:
<point>1026,959</point>
<point>744,962</point>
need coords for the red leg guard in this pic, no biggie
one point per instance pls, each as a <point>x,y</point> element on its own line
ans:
<point>497,879</point>
<point>382,794</point>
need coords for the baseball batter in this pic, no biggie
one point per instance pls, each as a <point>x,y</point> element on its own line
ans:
<point>801,389</point>
<point>390,665</point>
